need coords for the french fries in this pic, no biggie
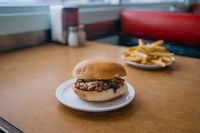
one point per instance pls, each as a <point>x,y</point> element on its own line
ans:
<point>141,42</point>
<point>157,43</point>
<point>152,53</point>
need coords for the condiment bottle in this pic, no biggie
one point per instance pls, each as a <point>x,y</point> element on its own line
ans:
<point>82,34</point>
<point>73,37</point>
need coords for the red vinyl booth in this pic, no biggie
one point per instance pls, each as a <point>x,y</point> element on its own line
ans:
<point>172,27</point>
<point>196,8</point>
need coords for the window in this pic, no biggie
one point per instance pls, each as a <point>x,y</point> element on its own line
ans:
<point>24,2</point>
<point>148,1</point>
<point>83,2</point>
<point>73,2</point>
<point>92,2</point>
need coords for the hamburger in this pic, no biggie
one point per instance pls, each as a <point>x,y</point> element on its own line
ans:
<point>99,80</point>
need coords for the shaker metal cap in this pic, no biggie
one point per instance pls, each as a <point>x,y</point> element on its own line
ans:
<point>81,26</point>
<point>73,28</point>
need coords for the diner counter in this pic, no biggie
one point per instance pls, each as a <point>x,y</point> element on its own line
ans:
<point>167,100</point>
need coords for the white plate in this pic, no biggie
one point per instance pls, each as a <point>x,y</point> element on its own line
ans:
<point>66,96</point>
<point>148,66</point>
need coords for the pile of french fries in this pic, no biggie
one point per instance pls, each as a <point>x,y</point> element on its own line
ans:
<point>152,53</point>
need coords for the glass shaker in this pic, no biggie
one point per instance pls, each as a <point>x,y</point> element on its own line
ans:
<point>82,34</point>
<point>73,37</point>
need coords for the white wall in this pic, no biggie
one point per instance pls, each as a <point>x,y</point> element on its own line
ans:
<point>19,19</point>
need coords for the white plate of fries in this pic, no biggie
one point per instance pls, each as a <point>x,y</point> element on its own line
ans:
<point>149,56</point>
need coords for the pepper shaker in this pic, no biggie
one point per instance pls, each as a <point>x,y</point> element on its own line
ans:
<point>82,34</point>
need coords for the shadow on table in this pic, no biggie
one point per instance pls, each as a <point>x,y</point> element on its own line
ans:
<point>168,69</point>
<point>119,114</point>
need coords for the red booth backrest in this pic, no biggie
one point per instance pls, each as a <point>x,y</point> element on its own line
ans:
<point>196,8</point>
<point>175,27</point>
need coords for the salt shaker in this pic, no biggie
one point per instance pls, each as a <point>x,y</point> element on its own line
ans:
<point>73,37</point>
<point>82,34</point>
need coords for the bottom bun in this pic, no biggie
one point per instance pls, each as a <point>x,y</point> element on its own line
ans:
<point>105,95</point>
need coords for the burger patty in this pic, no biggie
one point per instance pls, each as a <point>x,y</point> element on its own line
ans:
<point>99,85</point>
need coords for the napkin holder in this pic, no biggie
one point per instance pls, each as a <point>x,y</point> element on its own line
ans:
<point>62,18</point>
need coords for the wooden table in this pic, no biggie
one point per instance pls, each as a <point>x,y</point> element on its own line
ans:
<point>167,101</point>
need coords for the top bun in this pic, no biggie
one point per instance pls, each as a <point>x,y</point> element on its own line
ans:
<point>98,70</point>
